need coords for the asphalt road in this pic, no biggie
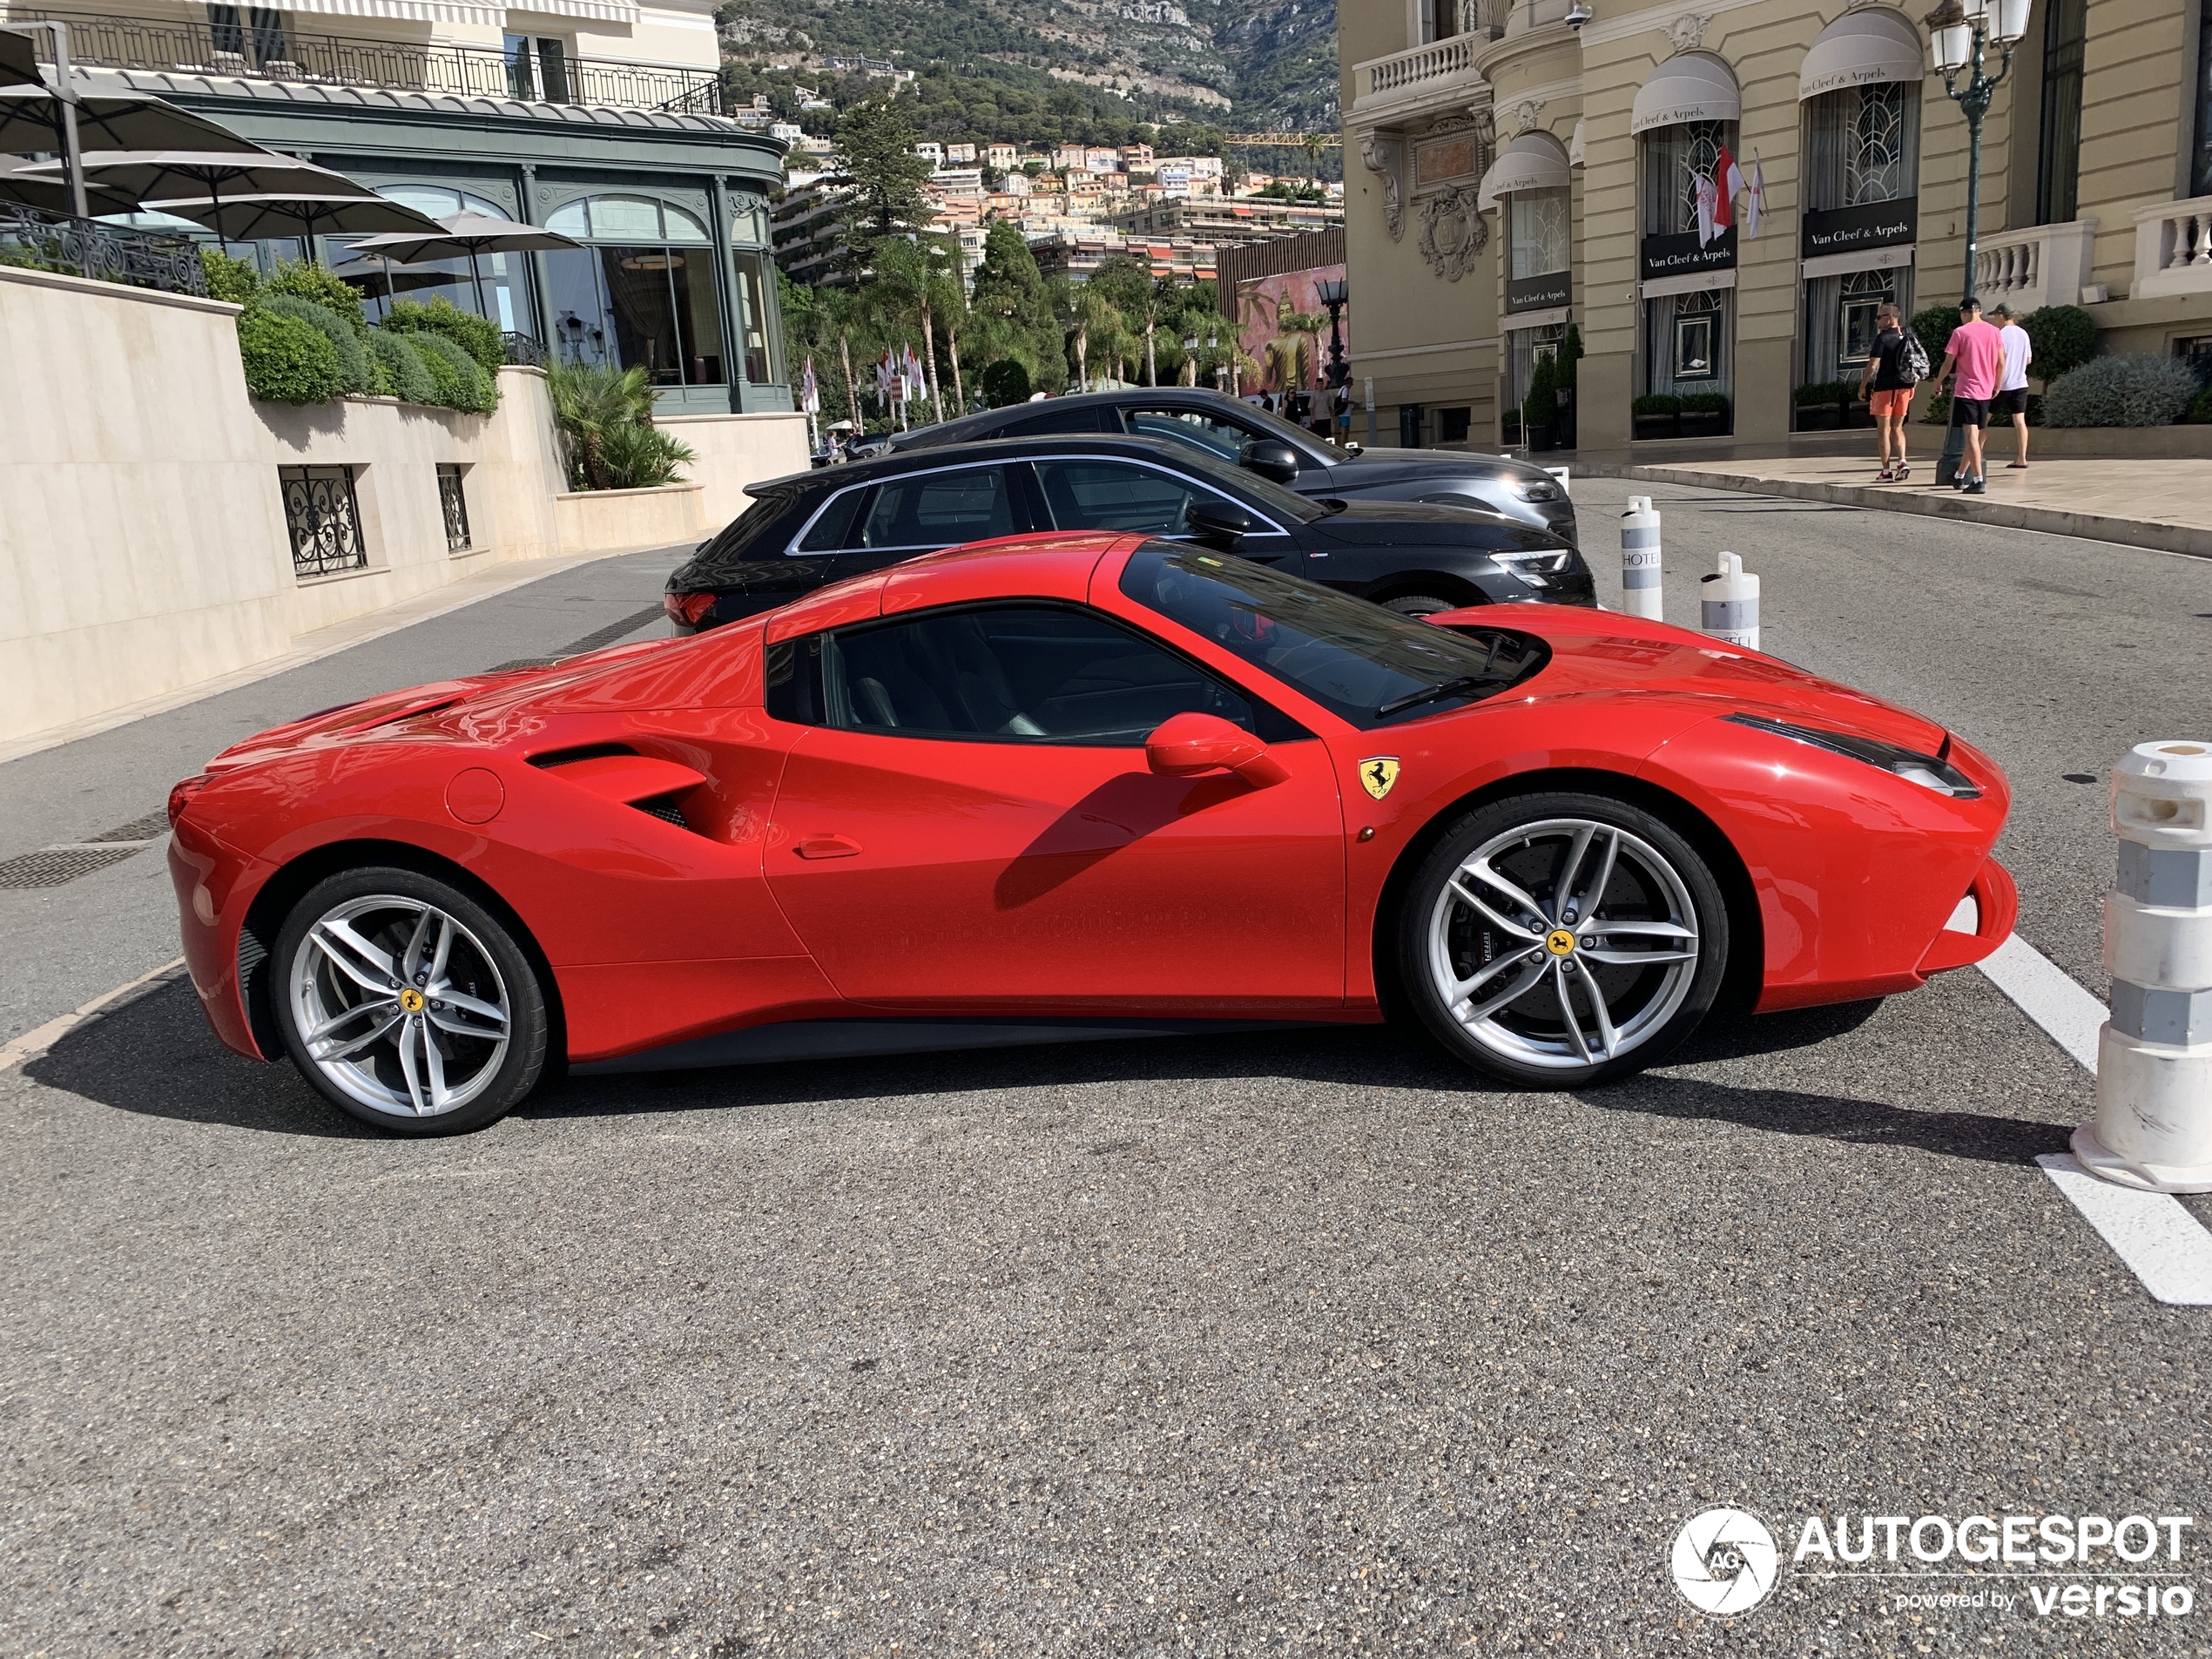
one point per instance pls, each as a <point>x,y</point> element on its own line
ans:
<point>1240,1345</point>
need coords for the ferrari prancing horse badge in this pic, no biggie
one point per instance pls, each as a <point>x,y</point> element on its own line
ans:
<point>1378,773</point>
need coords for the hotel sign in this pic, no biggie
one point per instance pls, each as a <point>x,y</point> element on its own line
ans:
<point>1673,256</point>
<point>1849,230</point>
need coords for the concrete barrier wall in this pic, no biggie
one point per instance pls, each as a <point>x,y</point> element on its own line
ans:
<point>142,545</point>
<point>735,451</point>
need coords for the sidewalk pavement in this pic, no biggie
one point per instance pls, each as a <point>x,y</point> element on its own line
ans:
<point>2164,503</point>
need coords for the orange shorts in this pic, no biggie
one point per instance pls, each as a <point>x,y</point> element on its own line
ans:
<point>1896,403</point>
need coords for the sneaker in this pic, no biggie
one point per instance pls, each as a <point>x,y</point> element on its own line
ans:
<point>1980,487</point>
<point>1887,475</point>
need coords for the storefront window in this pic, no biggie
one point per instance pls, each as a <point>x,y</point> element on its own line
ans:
<point>644,294</point>
<point>1530,346</point>
<point>2058,173</point>
<point>1689,338</point>
<point>1538,232</point>
<point>504,277</point>
<point>752,318</point>
<point>1862,149</point>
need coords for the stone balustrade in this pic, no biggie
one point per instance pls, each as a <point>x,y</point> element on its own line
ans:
<point>2172,248</point>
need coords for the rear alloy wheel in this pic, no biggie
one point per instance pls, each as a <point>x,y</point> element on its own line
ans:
<point>1419,604</point>
<point>1557,941</point>
<point>407,1003</point>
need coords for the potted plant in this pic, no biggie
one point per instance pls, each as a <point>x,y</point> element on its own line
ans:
<point>1704,415</point>
<point>1819,407</point>
<point>1565,413</point>
<point>1656,414</point>
<point>1541,407</point>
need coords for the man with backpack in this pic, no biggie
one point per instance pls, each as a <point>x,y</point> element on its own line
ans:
<point>1898,363</point>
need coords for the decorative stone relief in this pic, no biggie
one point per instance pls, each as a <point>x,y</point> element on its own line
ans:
<point>1452,231</point>
<point>1384,155</point>
<point>1687,32</point>
<point>1523,115</point>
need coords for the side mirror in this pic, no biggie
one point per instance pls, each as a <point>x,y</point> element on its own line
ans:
<point>1353,447</point>
<point>1271,458</point>
<point>1218,523</point>
<point>1186,745</point>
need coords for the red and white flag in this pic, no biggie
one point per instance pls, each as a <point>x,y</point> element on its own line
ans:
<point>1755,199</point>
<point>1708,209</point>
<point>1728,185</point>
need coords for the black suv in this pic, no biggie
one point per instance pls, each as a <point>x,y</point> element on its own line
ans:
<point>1225,430</point>
<point>814,528</point>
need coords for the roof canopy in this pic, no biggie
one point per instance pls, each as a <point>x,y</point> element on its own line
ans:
<point>1691,86</point>
<point>1533,161</point>
<point>1861,49</point>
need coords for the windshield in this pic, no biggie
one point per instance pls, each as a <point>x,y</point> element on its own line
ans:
<point>1354,659</point>
<point>1308,446</point>
<point>1284,505</point>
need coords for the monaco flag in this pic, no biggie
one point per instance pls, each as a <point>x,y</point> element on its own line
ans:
<point>1728,180</point>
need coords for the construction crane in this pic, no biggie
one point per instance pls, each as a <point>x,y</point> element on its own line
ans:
<point>1305,147</point>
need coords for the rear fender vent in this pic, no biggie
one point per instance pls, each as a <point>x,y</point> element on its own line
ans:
<point>615,772</point>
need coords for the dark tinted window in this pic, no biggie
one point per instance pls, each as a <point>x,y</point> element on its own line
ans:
<point>1093,418</point>
<point>1118,495</point>
<point>1017,674</point>
<point>737,538</point>
<point>1199,430</point>
<point>1353,658</point>
<point>930,509</point>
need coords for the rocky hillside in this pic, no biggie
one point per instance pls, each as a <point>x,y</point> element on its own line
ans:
<point>1268,67</point>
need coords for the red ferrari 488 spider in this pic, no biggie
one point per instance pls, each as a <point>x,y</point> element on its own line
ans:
<point>1068,787</point>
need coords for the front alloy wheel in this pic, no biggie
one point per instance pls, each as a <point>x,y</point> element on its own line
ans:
<point>1558,941</point>
<point>407,1003</point>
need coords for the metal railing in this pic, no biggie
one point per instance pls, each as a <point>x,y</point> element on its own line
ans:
<point>33,238</point>
<point>100,41</point>
<point>525,349</point>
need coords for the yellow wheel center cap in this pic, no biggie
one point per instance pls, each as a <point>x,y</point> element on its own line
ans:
<point>411,999</point>
<point>1560,942</point>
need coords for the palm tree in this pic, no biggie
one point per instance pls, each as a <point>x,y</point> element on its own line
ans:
<point>1091,323</point>
<point>590,400</point>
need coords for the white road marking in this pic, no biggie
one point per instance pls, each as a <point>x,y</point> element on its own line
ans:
<point>2160,1241</point>
<point>32,1043</point>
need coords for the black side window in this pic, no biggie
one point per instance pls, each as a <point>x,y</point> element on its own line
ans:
<point>794,680</point>
<point>832,529</point>
<point>1091,419</point>
<point>1014,673</point>
<point>740,536</point>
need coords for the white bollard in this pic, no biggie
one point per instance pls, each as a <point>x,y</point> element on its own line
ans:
<point>1639,595</point>
<point>2154,1122</point>
<point>1729,603</point>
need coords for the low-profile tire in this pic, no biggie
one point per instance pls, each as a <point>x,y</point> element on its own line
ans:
<point>1560,939</point>
<point>1419,604</point>
<point>410,1004</point>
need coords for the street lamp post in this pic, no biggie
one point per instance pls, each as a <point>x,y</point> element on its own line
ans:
<point>1332,293</point>
<point>1961,34</point>
<point>1190,355</point>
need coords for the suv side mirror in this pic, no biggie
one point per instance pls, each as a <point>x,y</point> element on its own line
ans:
<point>1271,458</point>
<point>1186,745</point>
<point>1218,523</point>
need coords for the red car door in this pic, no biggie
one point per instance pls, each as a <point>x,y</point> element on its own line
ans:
<point>970,826</point>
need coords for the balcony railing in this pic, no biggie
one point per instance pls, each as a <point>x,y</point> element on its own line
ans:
<point>1410,71</point>
<point>2172,248</point>
<point>284,54</point>
<point>2044,264</point>
<point>31,237</point>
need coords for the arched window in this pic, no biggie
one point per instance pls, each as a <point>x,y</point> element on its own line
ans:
<point>504,281</point>
<point>641,293</point>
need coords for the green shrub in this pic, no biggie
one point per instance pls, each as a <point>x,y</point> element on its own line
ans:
<point>1937,412</point>
<point>474,334</point>
<point>287,360</point>
<point>470,389</point>
<point>2062,338</point>
<point>1006,382</point>
<point>445,380</point>
<point>306,280</point>
<point>639,456</point>
<point>1541,407</point>
<point>1704,403</point>
<point>403,370</point>
<point>1815,394</point>
<point>1933,324</point>
<point>1656,403</point>
<point>2200,410</point>
<point>2121,391</point>
<point>230,279</point>
<point>353,370</point>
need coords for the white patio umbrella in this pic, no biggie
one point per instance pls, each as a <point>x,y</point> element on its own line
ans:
<point>19,183</point>
<point>279,216</point>
<point>468,234</point>
<point>157,178</point>
<point>37,119</point>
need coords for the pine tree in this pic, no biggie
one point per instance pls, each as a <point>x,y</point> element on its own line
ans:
<point>884,176</point>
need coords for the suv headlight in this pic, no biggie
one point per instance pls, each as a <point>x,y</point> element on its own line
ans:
<point>1537,566</point>
<point>1930,772</point>
<point>1530,491</point>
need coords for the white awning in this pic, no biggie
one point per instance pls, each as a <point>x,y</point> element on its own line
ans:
<point>406,10</point>
<point>1861,49</point>
<point>1694,86</point>
<point>1533,161</point>
<point>602,11</point>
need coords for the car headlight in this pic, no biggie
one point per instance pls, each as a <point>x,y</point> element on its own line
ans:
<point>1536,566</point>
<point>1528,491</point>
<point>1930,772</point>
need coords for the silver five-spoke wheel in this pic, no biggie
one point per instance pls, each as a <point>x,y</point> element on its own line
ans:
<point>1563,944</point>
<point>399,1005</point>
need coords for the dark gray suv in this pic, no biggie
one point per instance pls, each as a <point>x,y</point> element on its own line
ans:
<point>1222,428</point>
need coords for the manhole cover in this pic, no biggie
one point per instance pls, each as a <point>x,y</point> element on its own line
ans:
<point>55,866</point>
<point>152,827</point>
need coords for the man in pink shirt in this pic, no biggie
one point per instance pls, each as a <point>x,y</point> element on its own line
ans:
<point>1971,362</point>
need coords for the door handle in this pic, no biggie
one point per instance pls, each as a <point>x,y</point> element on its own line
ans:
<point>827,846</point>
